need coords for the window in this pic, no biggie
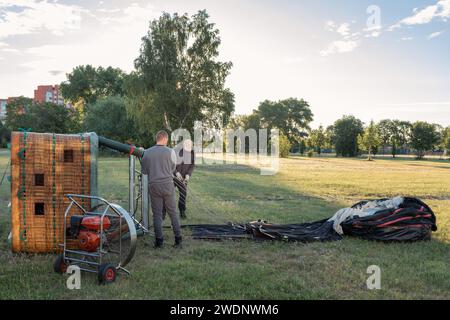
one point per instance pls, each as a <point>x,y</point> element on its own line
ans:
<point>39,179</point>
<point>68,155</point>
<point>39,208</point>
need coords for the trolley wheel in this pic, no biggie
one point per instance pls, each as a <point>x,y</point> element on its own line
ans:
<point>107,273</point>
<point>60,266</point>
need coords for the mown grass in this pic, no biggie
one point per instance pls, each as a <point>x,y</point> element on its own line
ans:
<point>303,190</point>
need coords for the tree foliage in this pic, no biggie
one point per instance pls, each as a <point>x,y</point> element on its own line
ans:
<point>369,140</point>
<point>317,139</point>
<point>424,137</point>
<point>446,139</point>
<point>345,135</point>
<point>285,146</point>
<point>395,133</point>
<point>108,117</point>
<point>178,79</point>
<point>291,116</point>
<point>41,117</point>
<point>5,135</point>
<point>86,84</point>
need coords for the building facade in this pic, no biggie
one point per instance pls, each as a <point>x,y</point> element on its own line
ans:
<point>3,103</point>
<point>48,93</point>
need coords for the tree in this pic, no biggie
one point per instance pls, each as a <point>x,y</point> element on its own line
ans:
<point>384,131</point>
<point>302,146</point>
<point>345,135</point>
<point>41,117</point>
<point>329,137</point>
<point>178,79</point>
<point>291,116</point>
<point>400,131</point>
<point>446,140</point>
<point>108,117</point>
<point>285,146</point>
<point>369,140</point>
<point>424,137</point>
<point>394,133</point>
<point>18,114</point>
<point>86,84</point>
<point>317,139</point>
<point>444,144</point>
<point>5,136</point>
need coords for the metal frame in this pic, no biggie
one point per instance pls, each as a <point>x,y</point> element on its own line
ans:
<point>80,255</point>
<point>141,195</point>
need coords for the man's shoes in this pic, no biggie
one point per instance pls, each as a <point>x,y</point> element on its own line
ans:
<point>178,243</point>
<point>159,243</point>
<point>183,214</point>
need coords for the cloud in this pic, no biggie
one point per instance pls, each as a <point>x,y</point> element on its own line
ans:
<point>330,25</point>
<point>33,16</point>
<point>407,38</point>
<point>56,72</point>
<point>339,46</point>
<point>343,29</point>
<point>100,46</point>
<point>132,14</point>
<point>439,10</point>
<point>435,34</point>
<point>348,41</point>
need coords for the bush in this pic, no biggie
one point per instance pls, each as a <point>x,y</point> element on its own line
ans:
<point>5,136</point>
<point>285,146</point>
<point>310,153</point>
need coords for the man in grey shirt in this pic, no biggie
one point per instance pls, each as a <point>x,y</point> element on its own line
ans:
<point>159,164</point>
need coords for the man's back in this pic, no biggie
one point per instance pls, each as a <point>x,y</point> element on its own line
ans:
<point>159,164</point>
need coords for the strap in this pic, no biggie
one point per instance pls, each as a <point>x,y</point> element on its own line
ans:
<point>54,189</point>
<point>132,150</point>
<point>82,168</point>
<point>22,193</point>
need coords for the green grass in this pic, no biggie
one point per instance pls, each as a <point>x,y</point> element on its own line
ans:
<point>304,190</point>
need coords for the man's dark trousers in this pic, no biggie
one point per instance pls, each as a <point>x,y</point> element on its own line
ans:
<point>182,188</point>
<point>163,195</point>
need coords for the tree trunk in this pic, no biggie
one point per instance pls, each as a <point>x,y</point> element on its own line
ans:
<point>167,123</point>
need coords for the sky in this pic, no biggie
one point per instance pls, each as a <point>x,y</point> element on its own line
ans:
<point>371,59</point>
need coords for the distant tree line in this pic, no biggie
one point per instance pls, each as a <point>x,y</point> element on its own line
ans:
<point>178,79</point>
<point>348,137</point>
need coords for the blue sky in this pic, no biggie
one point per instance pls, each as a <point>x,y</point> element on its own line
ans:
<point>322,51</point>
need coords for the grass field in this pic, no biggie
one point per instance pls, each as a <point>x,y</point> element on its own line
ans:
<point>304,190</point>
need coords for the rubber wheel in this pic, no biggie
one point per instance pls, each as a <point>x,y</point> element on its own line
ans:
<point>60,266</point>
<point>107,273</point>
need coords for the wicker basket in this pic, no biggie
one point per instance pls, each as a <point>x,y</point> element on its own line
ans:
<point>44,168</point>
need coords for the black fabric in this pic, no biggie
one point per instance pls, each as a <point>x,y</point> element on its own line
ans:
<point>412,221</point>
<point>260,230</point>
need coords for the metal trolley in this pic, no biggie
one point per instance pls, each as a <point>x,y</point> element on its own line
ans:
<point>101,239</point>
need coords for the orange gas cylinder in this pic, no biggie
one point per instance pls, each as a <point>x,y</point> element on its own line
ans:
<point>93,223</point>
<point>88,240</point>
